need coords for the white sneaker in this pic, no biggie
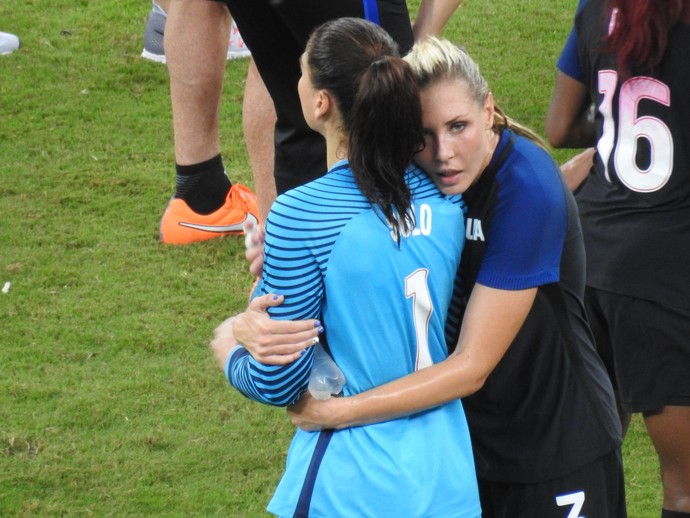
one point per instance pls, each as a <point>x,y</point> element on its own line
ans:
<point>8,43</point>
<point>155,28</point>
<point>236,47</point>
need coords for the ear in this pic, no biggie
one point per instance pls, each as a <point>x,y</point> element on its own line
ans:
<point>323,105</point>
<point>489,110</point>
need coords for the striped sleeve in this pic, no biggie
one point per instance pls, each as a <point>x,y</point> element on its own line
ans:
<point>279,385</point>
<point>303,228</point>
<point>301,231</point>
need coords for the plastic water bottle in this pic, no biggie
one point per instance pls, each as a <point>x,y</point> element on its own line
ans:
<point>250,229</point>
<point>326,378</point>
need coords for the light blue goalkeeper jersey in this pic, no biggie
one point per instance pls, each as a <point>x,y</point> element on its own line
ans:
<point>383,305</point>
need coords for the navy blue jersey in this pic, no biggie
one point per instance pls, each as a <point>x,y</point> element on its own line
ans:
<point>635,206</point>
<point>548,407</point>
<point>383,304</point>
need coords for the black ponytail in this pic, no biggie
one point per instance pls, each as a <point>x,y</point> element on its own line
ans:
<point>377,95</point>
<point>385,131</point>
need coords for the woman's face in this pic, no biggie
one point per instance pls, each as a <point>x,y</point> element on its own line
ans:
<point>459,141</point>
<point>307,93</point>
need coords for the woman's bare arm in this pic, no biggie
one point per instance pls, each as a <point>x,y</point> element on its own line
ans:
<point>432,17</point>
<point>577,168</point>
<point>492,320</point>
<point>568,121</point>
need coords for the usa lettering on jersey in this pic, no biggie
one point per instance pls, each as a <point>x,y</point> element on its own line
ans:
<point>473,230</point>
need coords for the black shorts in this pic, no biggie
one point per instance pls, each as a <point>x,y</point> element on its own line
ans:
<point>276,32</point>
<point>646,346</point>
<point>595,491</point>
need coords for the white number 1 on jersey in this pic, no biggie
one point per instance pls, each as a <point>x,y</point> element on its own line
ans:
<point>416,287</point>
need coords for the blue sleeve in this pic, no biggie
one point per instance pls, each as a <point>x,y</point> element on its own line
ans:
<point>530,222</point>
<point>569,61</point>
<point>279,385</point>
<point>296,250</point>
<point>290,269</point>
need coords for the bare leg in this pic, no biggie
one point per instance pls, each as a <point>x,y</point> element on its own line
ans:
<point>196,45</point>
<point>670,434</point>
<point>258,121</point>
<point>205,204</point>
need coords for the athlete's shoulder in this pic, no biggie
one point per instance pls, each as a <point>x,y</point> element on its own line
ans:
<point>336,183</point>
<point>529,163</point>
<point>530,180</point>
<point>591,23</point>
<point>334,193</point>
<point>423,188</point>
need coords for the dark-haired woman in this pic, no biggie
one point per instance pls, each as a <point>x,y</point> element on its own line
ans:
<point>372,249</point>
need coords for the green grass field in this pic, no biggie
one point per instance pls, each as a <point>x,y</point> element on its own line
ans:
<point>110,402</point>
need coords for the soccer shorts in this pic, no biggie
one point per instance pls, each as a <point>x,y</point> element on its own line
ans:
<point>647,346</point>
<point>596,490</point>
<point>276,32</point>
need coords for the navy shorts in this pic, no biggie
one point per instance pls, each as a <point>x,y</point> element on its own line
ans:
<point>596,490</point>
<point>646,348</point>
<point>276,32</point>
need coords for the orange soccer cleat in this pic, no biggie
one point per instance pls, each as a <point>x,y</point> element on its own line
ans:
<point>180,225</point>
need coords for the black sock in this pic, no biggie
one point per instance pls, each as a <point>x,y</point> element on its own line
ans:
<point>203,186</point>
<point>665,513</point>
